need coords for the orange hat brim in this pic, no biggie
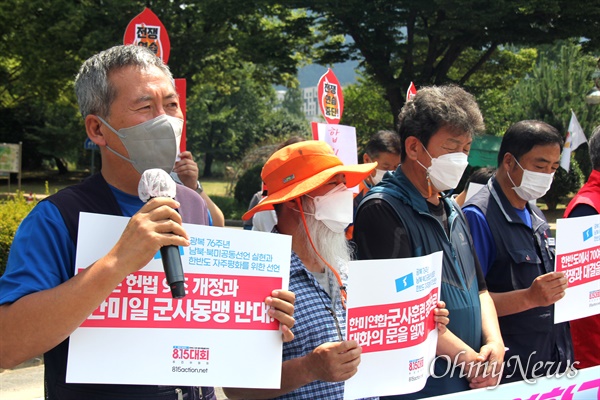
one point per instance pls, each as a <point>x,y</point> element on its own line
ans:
<point>354,174</point>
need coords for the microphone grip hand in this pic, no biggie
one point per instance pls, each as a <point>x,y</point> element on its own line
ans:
<point>174,270</point>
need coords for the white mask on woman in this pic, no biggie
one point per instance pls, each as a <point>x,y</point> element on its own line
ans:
<point>533,184</point>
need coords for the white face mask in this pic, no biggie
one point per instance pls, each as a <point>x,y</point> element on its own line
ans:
<point>533,184</point>
<point>335,208</point>
<point>379,173</point>
<point>151,144</point>
<point>446,170</point>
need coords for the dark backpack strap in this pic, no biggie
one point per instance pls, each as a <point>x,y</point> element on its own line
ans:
<point>73,200</point>
<point>392,201</point>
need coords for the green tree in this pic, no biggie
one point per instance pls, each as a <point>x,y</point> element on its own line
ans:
<point>564,184</point>
<point>365,108</point>
<point>555,86</point>
<point>399,41</point>
<point>292,102</point>
<point>43,44</point>
<point>224,120</point>
<point>494,79</point>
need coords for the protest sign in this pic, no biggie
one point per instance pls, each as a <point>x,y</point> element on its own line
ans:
<point>218,335</point>
<point>341,138</point>
<point>572,385</point>
<point>390,314</point>
<point>331,97</point>
<point>578,256</point>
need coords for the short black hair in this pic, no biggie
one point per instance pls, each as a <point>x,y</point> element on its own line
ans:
<point>383,142</point>
<point>290,140</point>
<point>522,136</point>
<point>481,175</point>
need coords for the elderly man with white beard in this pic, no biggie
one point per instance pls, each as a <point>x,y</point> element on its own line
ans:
<point>308,189</point>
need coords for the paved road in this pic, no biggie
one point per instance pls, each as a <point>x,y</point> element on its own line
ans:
<point>22,383</point>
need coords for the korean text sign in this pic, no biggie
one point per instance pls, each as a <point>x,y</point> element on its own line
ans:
<point>218,335</point>
<point>390,315</point>
<point>341,138</point>
<point>331,97</point>
<point>578,256</point>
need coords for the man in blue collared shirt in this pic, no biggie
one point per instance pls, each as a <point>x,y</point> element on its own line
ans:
<point>307,190</point>
<point>513,243</point>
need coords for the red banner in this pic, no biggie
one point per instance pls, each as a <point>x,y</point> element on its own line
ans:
<point>392,326</point>
<point>181,88</point>
<point>143,300</point>
<point>580,266</point>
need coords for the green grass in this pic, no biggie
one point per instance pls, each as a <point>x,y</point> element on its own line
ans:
<point>35,183</point>
<point>215,187</point>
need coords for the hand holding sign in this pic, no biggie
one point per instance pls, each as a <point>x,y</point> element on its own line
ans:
<point>334,361</point>
<point>547,289</point>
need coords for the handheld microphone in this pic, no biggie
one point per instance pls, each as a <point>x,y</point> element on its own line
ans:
<point>157,183</point>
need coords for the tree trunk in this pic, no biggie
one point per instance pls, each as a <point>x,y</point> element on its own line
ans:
<point>395,100</point>
<point>62,167</point>
<point>551,205</point>
<point>208,160</point>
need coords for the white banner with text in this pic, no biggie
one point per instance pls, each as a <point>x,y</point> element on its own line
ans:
<point>219,334</point>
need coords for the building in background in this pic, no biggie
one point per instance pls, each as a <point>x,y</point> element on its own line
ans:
<point>310,104</point>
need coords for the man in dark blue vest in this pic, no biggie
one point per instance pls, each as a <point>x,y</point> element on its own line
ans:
<point>513,242</point>
<point>408,215</point>
<point>131,111</point>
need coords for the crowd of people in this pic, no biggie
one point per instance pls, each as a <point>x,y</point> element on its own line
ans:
<point>498,282</point>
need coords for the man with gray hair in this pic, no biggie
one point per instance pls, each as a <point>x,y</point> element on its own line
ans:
<point>585,332</point>
<point>131,110</point>
<point>408,215</point>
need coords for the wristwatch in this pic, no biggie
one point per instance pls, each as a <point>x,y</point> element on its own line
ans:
<point>199,188</point>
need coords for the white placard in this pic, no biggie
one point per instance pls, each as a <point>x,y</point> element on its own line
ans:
<point>342,139</point>
<point>578,256</point>
<point>218,335</point>
<point>390,314</point>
